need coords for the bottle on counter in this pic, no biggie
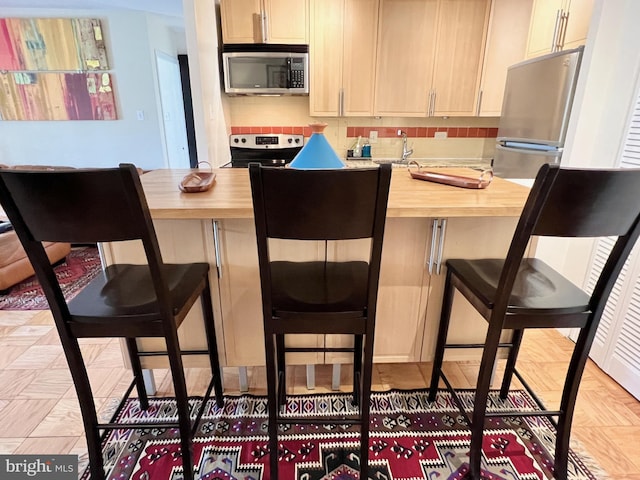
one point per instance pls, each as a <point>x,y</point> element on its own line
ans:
<point>357,148</point>
<point>366,149</point>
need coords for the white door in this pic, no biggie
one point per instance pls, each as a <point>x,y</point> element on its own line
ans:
<point>174,125</point>
<point>616,348</point>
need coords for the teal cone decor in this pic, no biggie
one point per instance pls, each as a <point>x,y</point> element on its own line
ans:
<point>317,153</point>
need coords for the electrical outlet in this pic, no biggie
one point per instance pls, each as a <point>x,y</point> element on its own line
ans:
<point>140,114</point>
<point>440,135</point>
<point>373,136</point>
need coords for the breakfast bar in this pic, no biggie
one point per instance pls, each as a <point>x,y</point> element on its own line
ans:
<point>426,224</point>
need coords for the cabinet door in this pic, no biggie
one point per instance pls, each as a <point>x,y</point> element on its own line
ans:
<point>545,22</point>
<point>241,297</point>
<point>462,26</point>
<point>464,238</point>
<point>286,21</point>
<point>326,53</point>
<point>402,292</point>
<point>406,52</point>
<point>506,45</point>
<point>343,48</point>
<point>241,21</point>
<point>359,61</point>
<point>578,23</point>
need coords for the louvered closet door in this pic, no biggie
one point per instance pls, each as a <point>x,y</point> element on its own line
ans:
<point>616,348</point>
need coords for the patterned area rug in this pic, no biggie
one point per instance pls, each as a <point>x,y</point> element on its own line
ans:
<point>80,267</point>
<point>410,440</point>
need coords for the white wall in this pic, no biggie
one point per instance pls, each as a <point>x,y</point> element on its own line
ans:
<point>131,39</point>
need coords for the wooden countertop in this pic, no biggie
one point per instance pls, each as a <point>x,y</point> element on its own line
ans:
<point>230,196</point>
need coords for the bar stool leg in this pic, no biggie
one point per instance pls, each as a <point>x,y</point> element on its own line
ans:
<point>272,403</point>
<point>182,404</point>
<point>136,368</point>
<point>516,341</point>
<point>282,369</point>
<point>481,396</point>
<point>443,329</point>
<point>357,368</point>
<point>212,344</point>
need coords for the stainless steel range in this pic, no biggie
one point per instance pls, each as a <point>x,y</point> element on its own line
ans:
<point>267,149</point>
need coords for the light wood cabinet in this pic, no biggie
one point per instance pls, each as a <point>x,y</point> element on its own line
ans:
<point>506,45</point>
<point>429,57</point>
<point>406,54</point>
<point>264,21</point>
<point>462,30</point>
<point>343,39</point>
<point>558,25</point>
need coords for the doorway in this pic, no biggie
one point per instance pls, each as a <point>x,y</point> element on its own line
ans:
<point>173,117</point>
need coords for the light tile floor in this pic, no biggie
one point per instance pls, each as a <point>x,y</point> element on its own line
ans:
<point>39,411</point>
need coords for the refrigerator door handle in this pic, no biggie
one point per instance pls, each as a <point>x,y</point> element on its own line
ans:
<point>552,152</point>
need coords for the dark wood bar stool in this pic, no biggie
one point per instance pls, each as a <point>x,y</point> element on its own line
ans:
<point>319,297</point>
<point>516,293</point>
<point>128,301</point>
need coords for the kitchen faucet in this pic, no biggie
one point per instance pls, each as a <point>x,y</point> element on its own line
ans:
<point>405,150</point>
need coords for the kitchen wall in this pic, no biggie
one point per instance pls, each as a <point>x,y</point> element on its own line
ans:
<point>467,137</point>
<point>132,39</point>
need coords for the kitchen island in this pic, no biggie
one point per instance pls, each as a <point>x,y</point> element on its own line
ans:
<point>426,224</point>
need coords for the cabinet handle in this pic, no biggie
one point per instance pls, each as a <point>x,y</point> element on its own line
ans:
<point>432,95</point>
<point>341,103</point>
<point>432,251</point>
<point>443,227</point>
<point>556,31</point>
<point>479,103</point>
<point>216,247</point>
<point>265,33</point>
<point>563,29</point>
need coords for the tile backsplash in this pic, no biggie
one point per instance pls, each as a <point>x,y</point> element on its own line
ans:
<point>430,137</point>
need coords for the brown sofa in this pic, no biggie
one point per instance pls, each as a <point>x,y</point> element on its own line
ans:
<point>14,264</point>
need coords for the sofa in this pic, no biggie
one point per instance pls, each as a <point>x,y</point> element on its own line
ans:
<point>14,264</point>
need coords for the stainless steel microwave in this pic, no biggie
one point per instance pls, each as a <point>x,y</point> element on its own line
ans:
<point>265,69</point>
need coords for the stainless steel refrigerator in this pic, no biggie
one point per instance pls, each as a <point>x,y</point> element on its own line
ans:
<point>537,104</point>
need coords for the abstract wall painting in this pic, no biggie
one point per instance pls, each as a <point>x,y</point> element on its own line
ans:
<point>57,96</point>
<point>41,44</point>
<point>54,69</point>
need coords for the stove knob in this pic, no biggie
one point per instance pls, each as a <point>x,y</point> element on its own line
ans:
<point>297,140</point>
<point>235,140</point>
<point>289,139</point>
<point>244,140</point>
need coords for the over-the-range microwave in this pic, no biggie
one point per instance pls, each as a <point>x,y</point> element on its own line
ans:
<point>265,69</point>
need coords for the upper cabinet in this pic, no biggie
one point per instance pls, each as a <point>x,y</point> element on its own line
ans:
<point>429,57</point>
<point>342,45</point>
<point>406,54</point>
<point>557,25</point>
<point>264,21</point>
<point>506,45</point>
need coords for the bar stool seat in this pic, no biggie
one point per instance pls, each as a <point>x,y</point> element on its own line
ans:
<point>516,293</point>
<point>319,297</point>
<point>126,301</point>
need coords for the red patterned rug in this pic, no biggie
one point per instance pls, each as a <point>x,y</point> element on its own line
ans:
<point>80,267</point>
<point>410,440</point>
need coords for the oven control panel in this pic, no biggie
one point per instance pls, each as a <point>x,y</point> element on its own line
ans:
<point>271,141</point>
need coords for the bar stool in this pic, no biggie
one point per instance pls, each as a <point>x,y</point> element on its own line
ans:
<point>319,297</point>
<point>128,301</point>
<point>516,293</point>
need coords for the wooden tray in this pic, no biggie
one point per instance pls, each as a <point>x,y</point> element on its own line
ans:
<point>196,182</point>
<point>483,180</point>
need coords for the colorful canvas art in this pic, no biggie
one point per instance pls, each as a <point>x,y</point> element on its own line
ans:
<point>54,69</point>
<point>41,44</point>
<point>56,96</point>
